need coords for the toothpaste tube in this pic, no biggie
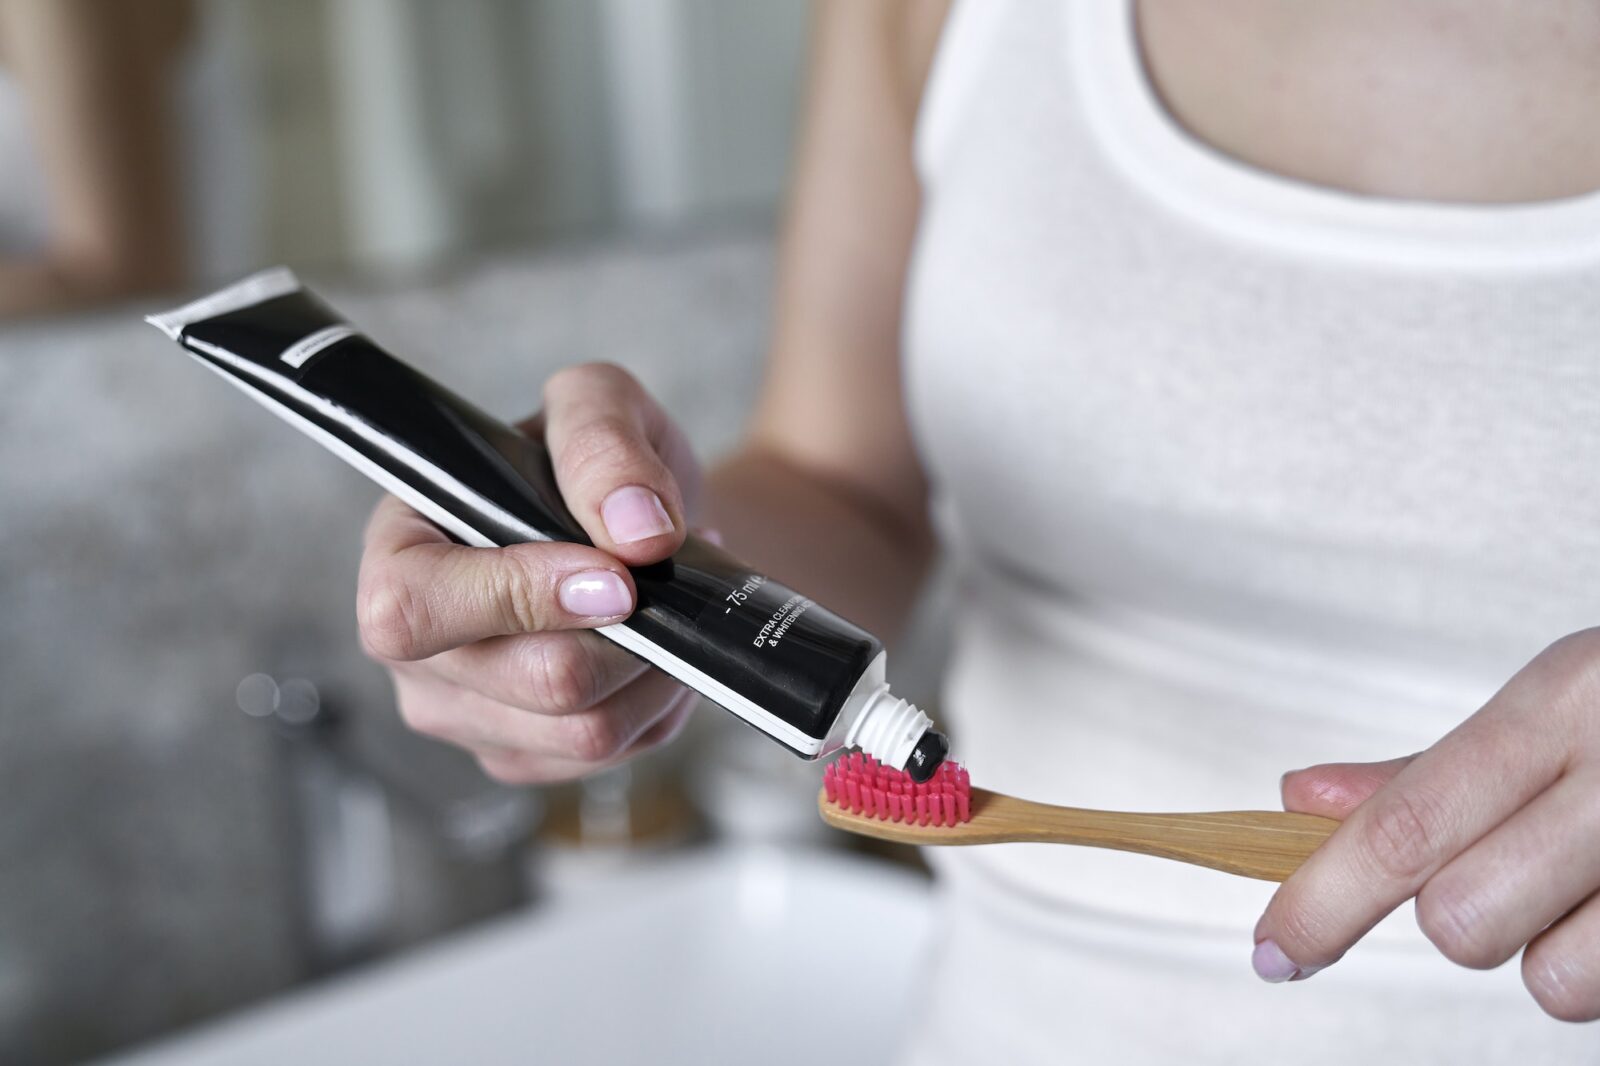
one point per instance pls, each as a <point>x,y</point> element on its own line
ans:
<point>788,666</point>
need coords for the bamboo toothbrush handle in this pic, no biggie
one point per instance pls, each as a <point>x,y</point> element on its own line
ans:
<point>1269,845</point>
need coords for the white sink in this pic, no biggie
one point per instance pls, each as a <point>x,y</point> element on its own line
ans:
<point>721,956</point>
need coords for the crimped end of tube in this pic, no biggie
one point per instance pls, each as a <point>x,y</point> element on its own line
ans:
<point>257,288</point>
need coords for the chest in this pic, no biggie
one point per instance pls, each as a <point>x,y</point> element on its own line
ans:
<point>1213,397</point>
<point>1483,102</point>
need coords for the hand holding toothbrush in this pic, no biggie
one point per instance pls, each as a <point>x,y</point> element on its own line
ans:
<point>1494,830</point>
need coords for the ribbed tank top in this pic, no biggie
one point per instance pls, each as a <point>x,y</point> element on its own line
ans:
<point>1238,474</point>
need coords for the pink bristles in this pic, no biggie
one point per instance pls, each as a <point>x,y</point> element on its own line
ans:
<point>862,785</point>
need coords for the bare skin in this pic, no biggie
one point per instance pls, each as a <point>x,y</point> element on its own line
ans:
<point>96,78</point>
<point>1492,101</point>
<point>1491,829</point>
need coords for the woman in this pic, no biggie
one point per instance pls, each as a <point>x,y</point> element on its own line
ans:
<point>1248,349</point>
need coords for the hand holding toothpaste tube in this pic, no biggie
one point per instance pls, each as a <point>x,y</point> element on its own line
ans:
<point>488,647</point>
<point>601,483</point>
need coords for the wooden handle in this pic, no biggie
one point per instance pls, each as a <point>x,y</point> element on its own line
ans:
<point>1269,845</point>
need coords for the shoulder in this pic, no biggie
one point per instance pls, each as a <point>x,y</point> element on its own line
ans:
<point>918,26</point>
<point>903,36</point>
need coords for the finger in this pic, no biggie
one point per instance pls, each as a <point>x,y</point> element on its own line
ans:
<point>622,467</point>
<point>1333,790</point>
<point>1489,901</point>
<point>1562,965</point>
<point>596,735</point>
<point>667,728</point>
<point>396,525</point>
<point>420,594</point>
<point>548,673</point>
<point>1388,847</point>
<point>523,768</point>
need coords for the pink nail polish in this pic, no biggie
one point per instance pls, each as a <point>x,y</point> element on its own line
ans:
<point>595,594</point>
<point>1271,964</point>
<point>633,513</point>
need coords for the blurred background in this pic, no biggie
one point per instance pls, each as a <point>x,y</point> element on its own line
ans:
<point>206,802</point>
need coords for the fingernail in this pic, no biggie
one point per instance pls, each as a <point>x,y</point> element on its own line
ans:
<point>595,594</point>
<point>633,513</point>
<point>1271,964</point>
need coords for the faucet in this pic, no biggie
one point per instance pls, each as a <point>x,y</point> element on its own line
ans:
<point>345,787</point>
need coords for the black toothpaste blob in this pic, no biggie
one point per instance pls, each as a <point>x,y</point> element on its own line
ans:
<point>927,756</point>
<point>759,648</point>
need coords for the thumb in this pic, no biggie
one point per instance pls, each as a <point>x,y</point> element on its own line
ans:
<point>1334,789</point>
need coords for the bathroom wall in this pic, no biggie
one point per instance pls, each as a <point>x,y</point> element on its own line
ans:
<point>399,135</point>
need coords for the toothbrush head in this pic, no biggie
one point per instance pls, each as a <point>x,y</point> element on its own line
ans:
<point>863,786</point>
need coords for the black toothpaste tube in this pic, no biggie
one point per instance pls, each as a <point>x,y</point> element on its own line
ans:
<point>793,669</point>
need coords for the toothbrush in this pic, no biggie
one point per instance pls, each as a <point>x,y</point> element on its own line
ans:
<point>861,795</point>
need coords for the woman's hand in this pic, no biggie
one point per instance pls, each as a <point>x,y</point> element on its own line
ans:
<point>486,645</point>
<point>1495,830</point>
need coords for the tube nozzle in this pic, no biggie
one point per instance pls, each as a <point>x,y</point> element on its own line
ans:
<point>897,734</point>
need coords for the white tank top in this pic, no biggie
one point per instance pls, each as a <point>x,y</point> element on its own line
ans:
<point>1239,474</point>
